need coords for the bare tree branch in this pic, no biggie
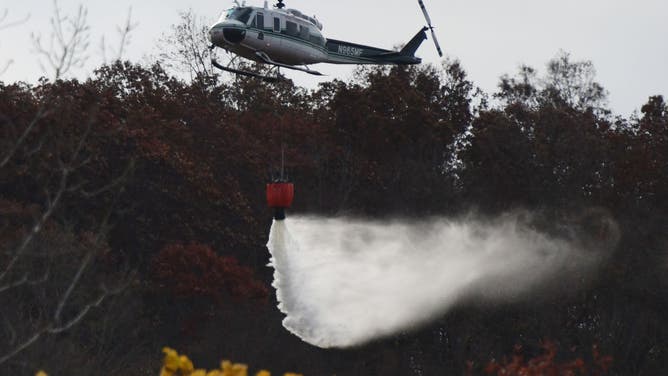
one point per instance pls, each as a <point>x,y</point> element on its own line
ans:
<point>113,184</point>
<point>53,328</point>
<point>72,286</point>
<point>24,345</point>
<point>84,311</point>
<point>185,49</point>
<point>37,227</point>
<point>4,24</point>
<point>65,169</point>
<point>68,42</point>
<point>66,158</point>
<point>25,281</point>
<point>56,325</point>
<point>4,68</point>
<point>41,113</point>
<point>124,33</point>
<point>10,328</point>
<point>3,17</point>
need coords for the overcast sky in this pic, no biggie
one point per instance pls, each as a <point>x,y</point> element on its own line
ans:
<point>626,40</point>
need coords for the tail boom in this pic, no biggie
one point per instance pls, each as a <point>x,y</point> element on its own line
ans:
<point>341,52</point>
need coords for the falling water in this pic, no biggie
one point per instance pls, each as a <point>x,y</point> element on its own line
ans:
<point>342,282</point>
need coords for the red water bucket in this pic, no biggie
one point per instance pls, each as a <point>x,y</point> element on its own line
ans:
<point>279,197</point>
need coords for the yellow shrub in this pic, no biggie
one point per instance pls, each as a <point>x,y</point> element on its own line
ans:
<point>179,365</point>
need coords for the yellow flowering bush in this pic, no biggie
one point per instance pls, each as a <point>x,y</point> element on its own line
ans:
<point>179,365</point>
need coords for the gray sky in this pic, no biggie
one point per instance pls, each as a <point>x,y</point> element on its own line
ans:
<point>626,40</point>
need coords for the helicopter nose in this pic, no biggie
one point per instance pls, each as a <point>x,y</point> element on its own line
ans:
<point>233,35</point>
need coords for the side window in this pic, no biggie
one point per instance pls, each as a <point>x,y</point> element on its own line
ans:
<point>303,32</point>
<point>277,24</point>
<point>291,28</point>
<point>316,39</point>
<point>260,20</point>
<point>244,15</point>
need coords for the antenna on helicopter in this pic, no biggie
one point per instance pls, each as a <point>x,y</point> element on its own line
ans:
<point>433,34</point>
<point>280,4</point>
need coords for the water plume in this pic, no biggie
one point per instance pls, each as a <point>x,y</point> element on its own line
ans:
<point>342,282</point>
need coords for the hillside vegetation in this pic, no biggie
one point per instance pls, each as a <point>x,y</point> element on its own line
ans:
<point>132,214</point>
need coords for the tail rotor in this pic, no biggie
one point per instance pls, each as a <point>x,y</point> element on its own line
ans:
<point>431,27</point>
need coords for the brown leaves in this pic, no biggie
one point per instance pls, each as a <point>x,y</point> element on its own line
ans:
<point>195,270</point>
<point>547,363</point>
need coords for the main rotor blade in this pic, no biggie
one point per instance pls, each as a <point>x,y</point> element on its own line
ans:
<point>426,15</point>
<point>438,46</point>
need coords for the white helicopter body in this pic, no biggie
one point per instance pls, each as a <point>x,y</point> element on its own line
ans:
<point>288,38</point>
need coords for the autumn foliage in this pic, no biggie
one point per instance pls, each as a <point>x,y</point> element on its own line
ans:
<point>547,364</point>
<point>196,271</point>
<point>172,174</point>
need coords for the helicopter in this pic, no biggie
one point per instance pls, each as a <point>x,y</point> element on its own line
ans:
<point>287,38</point>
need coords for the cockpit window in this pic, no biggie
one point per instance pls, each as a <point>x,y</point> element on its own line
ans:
<point>239,14</point>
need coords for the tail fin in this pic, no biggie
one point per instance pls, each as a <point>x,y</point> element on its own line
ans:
<point>412,45</point>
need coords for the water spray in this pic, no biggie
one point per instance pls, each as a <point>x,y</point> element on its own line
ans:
<point>342,282</point>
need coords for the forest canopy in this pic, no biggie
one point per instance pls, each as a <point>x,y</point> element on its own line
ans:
<point>132,211</point>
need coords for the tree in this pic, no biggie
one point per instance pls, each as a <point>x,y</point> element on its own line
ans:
<point>195,272</point>
<point>566,83</point>
<point>185,49</point>
<point>522,90</point>
<point>655,117</point>
<point>68,43</point>
<point>390,131</point>
<point>50,251</point>
<point>641,170</point>
<point>547,144</point>
<point>573,84</point>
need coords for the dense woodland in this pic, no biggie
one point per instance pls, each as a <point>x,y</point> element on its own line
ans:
<point>132,214</point>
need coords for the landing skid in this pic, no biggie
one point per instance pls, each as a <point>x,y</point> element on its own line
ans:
<point>264,57</point>
<point>243,72</point>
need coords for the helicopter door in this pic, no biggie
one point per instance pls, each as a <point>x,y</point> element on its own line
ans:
<point>274,42</point>
<point>259,18</point>
<point>259,23</point>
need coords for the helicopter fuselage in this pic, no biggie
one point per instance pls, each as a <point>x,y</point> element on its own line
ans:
<point>290,38</point>
<point>280,34</point>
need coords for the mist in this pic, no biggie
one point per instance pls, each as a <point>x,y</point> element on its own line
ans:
<point>342,282</point>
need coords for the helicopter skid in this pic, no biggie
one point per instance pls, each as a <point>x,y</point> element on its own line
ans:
<point>243,72</point>
<point>265,58</point>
